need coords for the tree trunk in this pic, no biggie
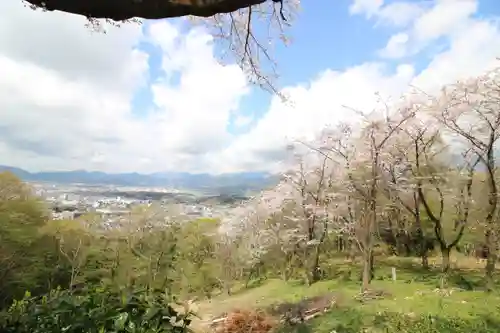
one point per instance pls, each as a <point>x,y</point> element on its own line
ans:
<point>422,247</point>
<point>425,259</point>
<point>491,227</point>
<point>248,280</point>
<point>445,260</point>
<point>367,270</point>
<point>445,266</point>
<point>287,269</point>
<point>400,246</point>
<point>422,242</point>
<point>490,260</point>
<point>315,273</point>
<point>352,252</point>
<point>372,266</point>
<point>490,270</point>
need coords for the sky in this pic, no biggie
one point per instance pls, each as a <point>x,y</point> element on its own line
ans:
<point>155,97</point>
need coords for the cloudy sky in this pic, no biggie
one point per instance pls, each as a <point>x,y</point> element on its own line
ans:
<point>154,98</point>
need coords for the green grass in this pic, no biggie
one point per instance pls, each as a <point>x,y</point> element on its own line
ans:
<point>414,303</point>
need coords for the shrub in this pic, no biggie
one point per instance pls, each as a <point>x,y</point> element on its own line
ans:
<point>97,310</point>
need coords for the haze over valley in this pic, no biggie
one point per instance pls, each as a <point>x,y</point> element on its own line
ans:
<point>71,194</point>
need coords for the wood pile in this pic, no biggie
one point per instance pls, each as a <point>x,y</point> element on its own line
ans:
<point>369,295</point>
<point>295,313</point>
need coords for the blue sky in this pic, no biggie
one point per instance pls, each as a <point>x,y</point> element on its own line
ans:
<point>325,32</point>
<point>325,35</point>
<point>108,95</point>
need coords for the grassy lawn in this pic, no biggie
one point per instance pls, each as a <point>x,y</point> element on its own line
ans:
<point>412,300</point>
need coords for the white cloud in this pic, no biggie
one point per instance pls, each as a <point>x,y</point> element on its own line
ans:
<point>320,103</point>
<point>473,51</point>
<point>243,120</point>
<point>65,93</point>
<point>368,7</point>
<point>442,19</point>
<point>396,46</point>
<point>66,102</point>
<point>397,14</point>
<point>196,112</point>
<point>424,21</point>
<point>60,42</point>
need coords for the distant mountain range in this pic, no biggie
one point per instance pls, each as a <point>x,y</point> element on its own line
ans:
<point>230,182</point>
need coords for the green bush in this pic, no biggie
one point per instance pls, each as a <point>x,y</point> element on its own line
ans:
<point>97,310</point>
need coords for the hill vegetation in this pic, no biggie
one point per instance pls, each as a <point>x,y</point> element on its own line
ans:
<point>371,230</point>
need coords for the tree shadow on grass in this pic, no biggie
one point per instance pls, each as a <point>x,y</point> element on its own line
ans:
<point>466,282</point>
<point>463,279</point>
<point>252,284</point>
<point>397,322</point>
<point>298,328</point>
<point>354,321</point>
<point>255,283</point>
<point>407,272</point>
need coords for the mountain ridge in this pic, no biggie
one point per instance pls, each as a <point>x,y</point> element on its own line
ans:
<point>240,180</point>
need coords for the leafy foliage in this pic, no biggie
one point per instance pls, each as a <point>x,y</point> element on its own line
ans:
<point>95,310</point>
<point>27,257</point>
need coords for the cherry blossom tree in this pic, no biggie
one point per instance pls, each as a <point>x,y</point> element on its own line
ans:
<point>311,187</point>
<point>281,232</point>
<point>444,192</point>
<point>362,153</point>
<point>470,113</point>
<point>399,175</point>
<point>252,237</point>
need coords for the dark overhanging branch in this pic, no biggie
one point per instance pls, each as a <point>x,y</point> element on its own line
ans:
<point>120,10</point>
